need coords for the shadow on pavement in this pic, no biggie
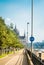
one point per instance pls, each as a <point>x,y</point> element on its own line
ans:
<point>25,61</point>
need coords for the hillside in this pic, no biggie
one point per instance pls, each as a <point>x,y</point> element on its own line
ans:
<point>8,37</point>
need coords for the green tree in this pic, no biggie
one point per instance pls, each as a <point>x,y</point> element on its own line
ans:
<point>8,38</point>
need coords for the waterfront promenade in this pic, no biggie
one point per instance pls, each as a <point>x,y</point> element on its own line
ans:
<point>15,59</point>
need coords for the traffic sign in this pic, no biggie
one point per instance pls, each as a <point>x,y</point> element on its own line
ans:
<point>32,39</point>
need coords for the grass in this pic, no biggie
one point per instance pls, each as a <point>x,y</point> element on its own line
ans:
<point>5,54</point>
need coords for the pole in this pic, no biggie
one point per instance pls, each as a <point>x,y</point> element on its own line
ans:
<point>31,24</point>
<point>27,31</point>
<point>32,18</point>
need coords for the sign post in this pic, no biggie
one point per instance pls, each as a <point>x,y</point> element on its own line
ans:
<point>31,38</point>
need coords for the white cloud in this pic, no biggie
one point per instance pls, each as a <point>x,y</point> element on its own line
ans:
<point>8,21</point>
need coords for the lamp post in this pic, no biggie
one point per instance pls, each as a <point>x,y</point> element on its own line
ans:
<point>31,24</point>
<point>31,38</point>
<point>27,31</point>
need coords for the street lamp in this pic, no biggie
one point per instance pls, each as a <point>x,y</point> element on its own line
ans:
<point>31,38</point>
<point>27,31</point>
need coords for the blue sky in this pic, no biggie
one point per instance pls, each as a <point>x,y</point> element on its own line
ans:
<point>19,12</point>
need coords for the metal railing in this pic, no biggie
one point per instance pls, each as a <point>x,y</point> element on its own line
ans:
<point>35,59</point>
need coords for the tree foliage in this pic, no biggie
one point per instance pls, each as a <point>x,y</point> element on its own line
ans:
<point>8,37</point>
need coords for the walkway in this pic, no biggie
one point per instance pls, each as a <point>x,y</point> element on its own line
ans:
<point>15,59</point>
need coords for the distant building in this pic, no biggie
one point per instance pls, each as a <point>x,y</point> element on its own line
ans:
<point>16,30</point>
<point>23,39</point>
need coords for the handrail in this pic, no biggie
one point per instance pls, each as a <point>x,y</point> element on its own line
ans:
<point>35,59</point>
<point>29,59</point>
